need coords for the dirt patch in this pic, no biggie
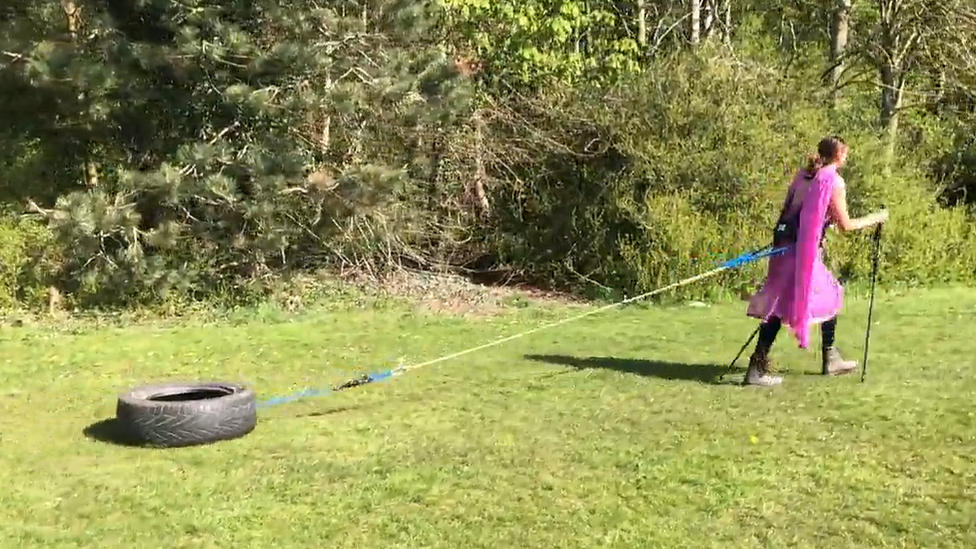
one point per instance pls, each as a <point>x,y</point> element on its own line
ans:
<point>455,295</point>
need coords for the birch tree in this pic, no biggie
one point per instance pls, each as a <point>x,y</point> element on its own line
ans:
<point>839,34</point>
<point>906,40</point>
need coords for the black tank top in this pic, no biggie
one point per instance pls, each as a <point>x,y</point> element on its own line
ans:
<point>788,225</point>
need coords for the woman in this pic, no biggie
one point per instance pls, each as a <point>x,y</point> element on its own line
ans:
<point>799,290</point>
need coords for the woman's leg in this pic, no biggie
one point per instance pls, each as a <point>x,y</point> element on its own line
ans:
<point>828,332</point>
<point>758,372</point>
<point>832,362</point>
<point>767,335</point>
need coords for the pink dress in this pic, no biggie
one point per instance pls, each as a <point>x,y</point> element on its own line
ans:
<point>798,288</point>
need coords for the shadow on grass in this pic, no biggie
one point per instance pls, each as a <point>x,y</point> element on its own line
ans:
<point>108,431</point>
<point>331,411</point>
<point>704,373</point>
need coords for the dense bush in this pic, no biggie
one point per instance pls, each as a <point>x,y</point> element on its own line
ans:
<point>697,168</point>
<point>29,260</point>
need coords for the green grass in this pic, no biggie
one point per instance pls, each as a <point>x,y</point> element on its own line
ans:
<point>614,435</point>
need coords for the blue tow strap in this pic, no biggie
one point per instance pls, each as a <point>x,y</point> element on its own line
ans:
<point>749,257</point>
<point>309,393</point>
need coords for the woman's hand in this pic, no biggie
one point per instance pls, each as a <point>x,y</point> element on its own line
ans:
<point>871,220</point>
<point>877,218</point>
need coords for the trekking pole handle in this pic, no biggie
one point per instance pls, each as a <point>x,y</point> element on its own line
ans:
<point>877,228</point>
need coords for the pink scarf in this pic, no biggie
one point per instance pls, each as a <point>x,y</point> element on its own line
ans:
<point>812,218</point>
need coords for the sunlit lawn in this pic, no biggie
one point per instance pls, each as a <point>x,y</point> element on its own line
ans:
<point>607,432</point>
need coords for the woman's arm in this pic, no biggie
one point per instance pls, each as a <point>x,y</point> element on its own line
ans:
<point>843,221</point>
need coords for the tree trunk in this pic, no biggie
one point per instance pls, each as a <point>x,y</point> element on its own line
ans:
<point>892,86</point>
<point>72,14</point>
<point>940,90</point>
<point>477,195</point>
<point>708,20</point>
<point>838,45</point>
<point>695,37</point>
<point>727,23</point>
<point>642,25</point>
<point>895,43</point>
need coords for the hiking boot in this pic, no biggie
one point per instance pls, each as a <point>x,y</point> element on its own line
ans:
<point>835,365</point>
<point>758,372</point>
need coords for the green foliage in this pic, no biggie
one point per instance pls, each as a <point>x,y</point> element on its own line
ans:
<point>527,44</point>
<point>925,244</point>
<point>679,182</point>
<point>29,260</point>
<point>206,150</point>
<point>954,169</point>
<point>203,116</point>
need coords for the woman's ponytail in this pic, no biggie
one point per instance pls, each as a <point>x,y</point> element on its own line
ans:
<point>814,163</point>
<point>828,151</point>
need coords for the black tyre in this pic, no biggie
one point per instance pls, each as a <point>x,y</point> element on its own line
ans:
<point>186,414</point>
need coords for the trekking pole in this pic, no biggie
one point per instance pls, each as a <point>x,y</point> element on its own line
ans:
<point>742,350</point>
<point>874,280</point>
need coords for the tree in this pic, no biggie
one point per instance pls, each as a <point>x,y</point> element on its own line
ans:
<point>214,115</point>
<point>839,36</point>
<point>903,40</point>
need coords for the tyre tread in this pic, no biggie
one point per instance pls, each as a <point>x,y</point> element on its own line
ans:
<point>186,423</point>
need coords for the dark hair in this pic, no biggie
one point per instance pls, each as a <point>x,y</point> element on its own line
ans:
<point>828,150</point>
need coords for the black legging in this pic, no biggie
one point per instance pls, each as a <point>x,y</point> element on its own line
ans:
<point>770,329</point>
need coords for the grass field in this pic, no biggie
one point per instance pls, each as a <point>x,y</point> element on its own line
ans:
<point>607,432</point>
